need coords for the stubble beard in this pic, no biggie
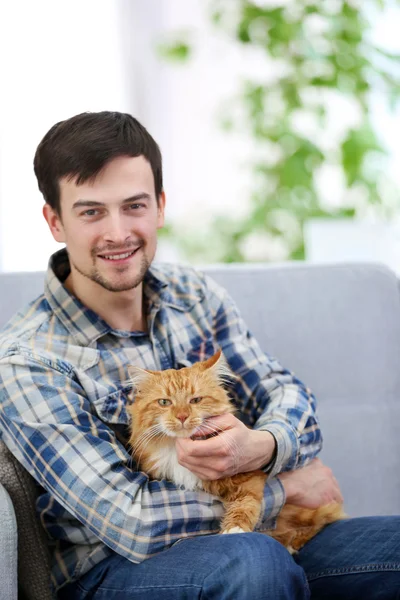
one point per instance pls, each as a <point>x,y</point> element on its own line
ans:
<point>123,286</point>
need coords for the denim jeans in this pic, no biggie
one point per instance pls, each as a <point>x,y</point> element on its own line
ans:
<point>357,559</point>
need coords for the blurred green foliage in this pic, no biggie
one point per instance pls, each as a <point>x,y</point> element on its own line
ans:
<point>324,46</point>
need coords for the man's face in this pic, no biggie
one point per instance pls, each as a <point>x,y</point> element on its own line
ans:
<point>110,225</point>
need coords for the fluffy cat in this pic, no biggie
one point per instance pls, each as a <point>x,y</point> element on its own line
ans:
<point>175,403</point>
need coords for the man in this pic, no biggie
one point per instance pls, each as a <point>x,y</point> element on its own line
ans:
<point>64,386</point>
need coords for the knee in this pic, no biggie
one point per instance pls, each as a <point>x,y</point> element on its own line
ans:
<point>255,566</point>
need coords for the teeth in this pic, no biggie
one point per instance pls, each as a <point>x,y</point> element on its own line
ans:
<point>118,256</point>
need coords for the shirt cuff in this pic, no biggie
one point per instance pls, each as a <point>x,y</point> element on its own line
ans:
<point>287,447</point>
<point>273,502</point>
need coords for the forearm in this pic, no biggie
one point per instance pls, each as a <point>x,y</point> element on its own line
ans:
<point>289,415</point>
<point>273,502</point>
<point>269,396</point>
<point>92,490</point>
<point>130,514</point>
<point>312,486</point>
<point>158,516</point>
<point>264,448</point>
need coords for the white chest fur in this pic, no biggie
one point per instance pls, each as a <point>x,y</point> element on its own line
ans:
<point>167,467</point>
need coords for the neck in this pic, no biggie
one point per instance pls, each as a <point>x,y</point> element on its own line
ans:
<point>121,310</point>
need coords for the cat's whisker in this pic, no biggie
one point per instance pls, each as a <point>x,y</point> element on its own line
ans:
<point>160,437</point>
<point>148,435</point>
<point>138,454</point>
<point>144,439</point>
<point>236,451</point>
<point>150,431</point>
<point>227,439</point>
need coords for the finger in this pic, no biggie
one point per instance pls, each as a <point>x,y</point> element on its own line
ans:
<point>337,493</point>
<point>200,448</point>
<point>339,498</point>
<point>219,466</point>
<point>182,444</point>
<point>203,473</point>
<point>215,446</point>
<point>315,462</point>
<point>222,422</point>
<point>215,425</point>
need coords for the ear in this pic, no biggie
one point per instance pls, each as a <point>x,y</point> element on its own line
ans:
<point>137,375</point>
<point>218,365</point>
<point>161,210</point>
<point>54,222</point>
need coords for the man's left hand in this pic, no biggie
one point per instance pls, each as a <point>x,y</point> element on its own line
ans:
<point>236,449</point>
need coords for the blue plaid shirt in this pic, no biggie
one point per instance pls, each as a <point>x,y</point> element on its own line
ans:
<point>63,396</point>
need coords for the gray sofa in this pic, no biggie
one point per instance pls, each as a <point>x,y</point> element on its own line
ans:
<point>337,327</point>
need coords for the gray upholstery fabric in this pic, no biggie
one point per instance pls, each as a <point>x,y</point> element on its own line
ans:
<point>337,327</point>
<point>8,548</point>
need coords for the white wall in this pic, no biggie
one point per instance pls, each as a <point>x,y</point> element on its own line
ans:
<point>57,58</point>
<point>205,169</point>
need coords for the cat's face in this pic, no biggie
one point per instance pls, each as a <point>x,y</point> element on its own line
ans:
<point>178,401</point>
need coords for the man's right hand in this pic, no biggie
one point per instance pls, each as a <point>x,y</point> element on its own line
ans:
<point>311,486</point>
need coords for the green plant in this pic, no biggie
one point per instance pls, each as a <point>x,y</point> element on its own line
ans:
<point>324,48</point>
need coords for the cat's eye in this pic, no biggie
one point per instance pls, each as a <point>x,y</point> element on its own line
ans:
<point>164,402</point>
<point>196,400</point>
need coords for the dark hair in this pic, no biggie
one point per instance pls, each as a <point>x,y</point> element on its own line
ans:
<point>81,146</point>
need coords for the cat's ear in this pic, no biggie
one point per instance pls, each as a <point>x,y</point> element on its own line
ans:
<point>138,375</point>
<point>218,365</point>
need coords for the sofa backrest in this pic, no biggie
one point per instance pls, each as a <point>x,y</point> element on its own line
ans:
<point>338,328</point>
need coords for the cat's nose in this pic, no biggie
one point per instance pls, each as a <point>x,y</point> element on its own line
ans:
<point>182,418</point>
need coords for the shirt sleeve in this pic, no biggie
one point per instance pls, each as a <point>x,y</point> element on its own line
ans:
<point>49,425</point>
<point>269,396</point>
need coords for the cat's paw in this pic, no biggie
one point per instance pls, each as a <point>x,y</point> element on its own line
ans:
<point>291,550</point>
<point>234,530</point>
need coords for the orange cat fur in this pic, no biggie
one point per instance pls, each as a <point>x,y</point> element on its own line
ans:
<point>175,403</point>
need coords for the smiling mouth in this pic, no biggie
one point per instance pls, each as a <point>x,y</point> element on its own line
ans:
<point>118,258</point>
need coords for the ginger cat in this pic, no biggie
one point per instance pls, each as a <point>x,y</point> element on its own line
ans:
<point>175,403</point>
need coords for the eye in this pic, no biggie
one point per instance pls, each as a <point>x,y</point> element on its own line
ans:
<point>196,400</point>
<point>92,212</point>
<point>135,206</point>
<point>164,402</point>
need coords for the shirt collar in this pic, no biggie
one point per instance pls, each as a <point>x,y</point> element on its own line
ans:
<point>84,324</point>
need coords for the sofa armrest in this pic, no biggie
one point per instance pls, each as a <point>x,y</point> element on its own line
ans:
<point>8,548</point>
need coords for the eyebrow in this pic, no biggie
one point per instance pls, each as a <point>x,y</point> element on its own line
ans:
<point>135,198</point>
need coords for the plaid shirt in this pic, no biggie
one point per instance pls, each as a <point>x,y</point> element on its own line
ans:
<point>63,395</point>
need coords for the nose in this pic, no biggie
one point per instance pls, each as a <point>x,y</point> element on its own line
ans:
<point>182,417</point>
<point>117,231</point>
